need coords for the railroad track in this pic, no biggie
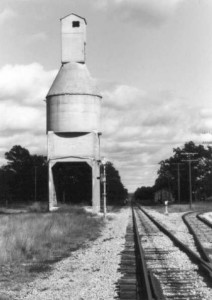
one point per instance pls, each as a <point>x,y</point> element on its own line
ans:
<point>128,284</point>
<point>137,282</point>
<point>164,268</point>
<point>202,233</point>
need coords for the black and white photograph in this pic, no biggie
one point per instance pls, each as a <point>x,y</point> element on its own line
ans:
<point>106,150</point>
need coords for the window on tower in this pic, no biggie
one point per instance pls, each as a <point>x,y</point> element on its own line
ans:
<point>75,24</point>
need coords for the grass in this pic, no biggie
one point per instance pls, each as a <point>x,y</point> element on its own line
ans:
<point>175,208</point>
<point>37,237</point>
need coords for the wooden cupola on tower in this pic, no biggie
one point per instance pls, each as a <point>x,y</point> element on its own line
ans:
<point>73,34</point>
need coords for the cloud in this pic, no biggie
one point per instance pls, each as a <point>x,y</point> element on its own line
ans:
<point>36,37</point>
<point>6,15</point>
<point>25,84</point>
<point>17,119</point>
<point>140,129</point>
<point>22,109</point>
<point>147,12</point>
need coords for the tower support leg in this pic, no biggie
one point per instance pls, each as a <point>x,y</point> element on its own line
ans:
<point>96,187</point>
<point>52,192</point>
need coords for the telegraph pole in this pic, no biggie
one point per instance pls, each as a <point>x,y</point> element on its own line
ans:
<point>178,179</point>
<point>35,198</point>
<point>189,166</point>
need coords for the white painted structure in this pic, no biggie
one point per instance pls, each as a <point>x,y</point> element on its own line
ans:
<point>73,110</point>
<point>73,31</point>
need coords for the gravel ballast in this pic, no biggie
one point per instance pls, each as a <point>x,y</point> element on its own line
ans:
<point>89,273</point>
<point>207,216</point>
<point>174,223</point>
<point>173,260</point>
<point>93,272</point>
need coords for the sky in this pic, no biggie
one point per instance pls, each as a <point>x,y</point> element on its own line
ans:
<point>152,60</point>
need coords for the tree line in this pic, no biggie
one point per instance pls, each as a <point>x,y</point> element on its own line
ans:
<point>25,179</point>
<point>116,192</point>
<point>175,175</point>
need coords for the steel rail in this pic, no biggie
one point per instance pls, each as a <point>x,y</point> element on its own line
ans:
<point>141,264</point>
<point>205,266</point>
<point>198,243</point>
<point>204,220</point>
<point>145,277</point>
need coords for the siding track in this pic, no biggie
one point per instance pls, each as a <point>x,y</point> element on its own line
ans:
<point>202,234</point>
<point>171,273</point>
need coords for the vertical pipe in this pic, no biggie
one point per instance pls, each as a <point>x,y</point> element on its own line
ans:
<point>190,187</point>
<point>104,190</point>
<point>50,186</point>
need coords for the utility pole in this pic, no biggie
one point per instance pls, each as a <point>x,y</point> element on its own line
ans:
<point>178,179</point>
<point>35,184</point>
<point>189,160</point>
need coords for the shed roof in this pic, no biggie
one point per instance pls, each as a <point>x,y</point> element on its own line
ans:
<point>74,79</point>
<point>75,16</point>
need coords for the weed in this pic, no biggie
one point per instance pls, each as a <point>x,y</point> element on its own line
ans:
<point>45,236</point>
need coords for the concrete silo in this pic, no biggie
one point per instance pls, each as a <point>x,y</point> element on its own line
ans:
<point>73,110</point>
